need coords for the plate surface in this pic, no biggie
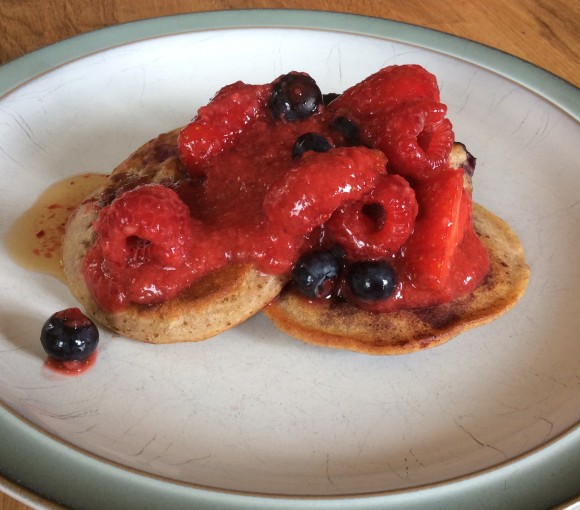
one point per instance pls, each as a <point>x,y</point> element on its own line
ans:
<point>253,413</point>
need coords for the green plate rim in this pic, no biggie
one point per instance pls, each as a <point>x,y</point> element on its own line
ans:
<point>65,475</point>
<point>558,91</point>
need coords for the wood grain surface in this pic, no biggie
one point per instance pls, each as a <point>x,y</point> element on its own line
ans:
<point>543,32</point>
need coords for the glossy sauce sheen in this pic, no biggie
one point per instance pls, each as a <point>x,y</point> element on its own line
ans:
<point>233,201</point>
<point>34,241</point>
<point>249,212</point>
<point>70,368</point>
<point>230,202</point>
<point>251,202</point>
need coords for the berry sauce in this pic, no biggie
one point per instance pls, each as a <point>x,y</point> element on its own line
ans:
<point>381,190</point>
<point>72,367</point>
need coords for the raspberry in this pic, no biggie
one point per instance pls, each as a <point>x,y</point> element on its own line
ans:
<point>319,182</point>
<point>104,282</point>
<point>219,124</point>
<point>382,91</point>
<point>416,137</point>
<point>147,224</point>
<point>141,252</point>
<point>397,110</point>
<point>443,213</point>
<point>378,224</point>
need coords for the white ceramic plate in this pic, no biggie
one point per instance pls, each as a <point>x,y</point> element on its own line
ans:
<point>253,418</point>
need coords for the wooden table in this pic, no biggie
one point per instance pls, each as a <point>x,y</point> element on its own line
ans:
<point>544,33</point>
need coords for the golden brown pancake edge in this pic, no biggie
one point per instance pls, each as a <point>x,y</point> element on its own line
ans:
<point>342,325</point>
<point>210,306</point>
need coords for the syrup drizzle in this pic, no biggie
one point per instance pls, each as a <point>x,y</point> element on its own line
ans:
<point>34,240</point>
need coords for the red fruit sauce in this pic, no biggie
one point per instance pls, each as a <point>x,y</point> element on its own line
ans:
<point>249,201</point>
<point>71,368</point>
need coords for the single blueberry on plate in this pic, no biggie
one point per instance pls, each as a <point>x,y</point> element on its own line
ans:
<point>69,335</point>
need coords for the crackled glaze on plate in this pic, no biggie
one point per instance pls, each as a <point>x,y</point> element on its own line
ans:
<point>256,412</point>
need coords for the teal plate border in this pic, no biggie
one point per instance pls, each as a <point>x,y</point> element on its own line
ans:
<point>556,90</point>
<point>33,460</point>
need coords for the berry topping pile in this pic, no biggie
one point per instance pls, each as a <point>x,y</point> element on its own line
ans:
<point>353,196</point>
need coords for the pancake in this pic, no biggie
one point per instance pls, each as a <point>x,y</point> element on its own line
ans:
<point>341,325</point>
<point>213,304</point>
<point>228,296</point>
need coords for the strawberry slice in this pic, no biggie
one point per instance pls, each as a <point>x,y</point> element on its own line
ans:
<point>429,252</point>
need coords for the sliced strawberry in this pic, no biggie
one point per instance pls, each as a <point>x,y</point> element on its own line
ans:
<point>429,252</point>
<point>471,261</point>
<point>219,124</point>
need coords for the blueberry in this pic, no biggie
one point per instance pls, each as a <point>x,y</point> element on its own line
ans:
<point>371,280</point>
<point>460,157</point>
<point>315,273</point>
<point>310,142</point>
<point>69,335</point>
<point>294,96</point>
<point>470,161</point>
<point>338,252</point>
<point>328,98</point>
<point>348,128</point>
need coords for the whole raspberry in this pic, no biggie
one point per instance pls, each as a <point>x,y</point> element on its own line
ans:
<point>416,137</point>
<point>384,90</point>
<point>378,224</point>
<point>219,124</point>
<point>149,224</point>
<point>141,254</point>
<point>309,193</point>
